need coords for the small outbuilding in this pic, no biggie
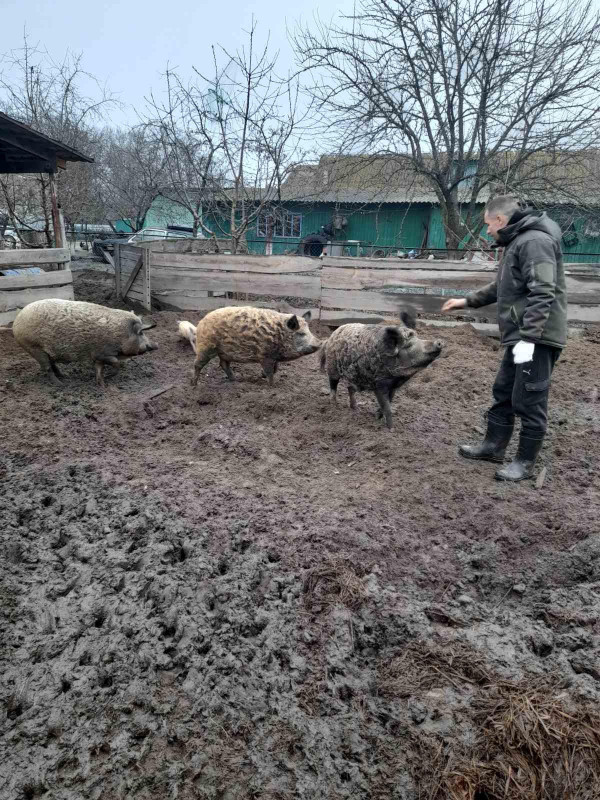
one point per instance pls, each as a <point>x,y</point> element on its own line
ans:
<point>22,151</point>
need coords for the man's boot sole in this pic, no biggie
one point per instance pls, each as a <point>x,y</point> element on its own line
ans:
<point>513,480</point>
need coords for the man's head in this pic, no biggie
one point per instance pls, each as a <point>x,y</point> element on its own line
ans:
<point>498,212</point>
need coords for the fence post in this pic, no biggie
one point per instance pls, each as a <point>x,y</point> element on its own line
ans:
<point>146,278</point>
<point>117,260</point>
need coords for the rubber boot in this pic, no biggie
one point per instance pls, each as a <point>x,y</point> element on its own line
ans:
<point>493,446</point>
<point>522,466</point>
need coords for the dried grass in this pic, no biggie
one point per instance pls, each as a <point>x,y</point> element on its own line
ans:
<point>419,668</point>
<point>333,581</point>
<point>532,747</point>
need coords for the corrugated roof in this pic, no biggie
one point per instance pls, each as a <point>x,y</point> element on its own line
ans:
<point>23,149</point>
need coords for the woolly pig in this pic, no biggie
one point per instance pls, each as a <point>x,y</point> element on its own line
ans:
<point>246,334</point>
<point>66,330</point>
<point>376,357</point>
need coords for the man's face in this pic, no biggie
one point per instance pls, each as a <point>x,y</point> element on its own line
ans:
<point>495,222</point>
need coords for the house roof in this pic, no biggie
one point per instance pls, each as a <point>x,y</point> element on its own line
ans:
<point>24,150</point>
<point>547,178</point>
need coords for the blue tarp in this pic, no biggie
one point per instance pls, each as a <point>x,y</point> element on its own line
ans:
<point>22,271</point>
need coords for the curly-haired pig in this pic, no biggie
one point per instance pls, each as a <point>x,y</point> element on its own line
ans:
<point>376,357</point>
<point>245,334</point>
<point>61,331</point>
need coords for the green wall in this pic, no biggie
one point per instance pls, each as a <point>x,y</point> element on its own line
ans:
<point>396,225</point>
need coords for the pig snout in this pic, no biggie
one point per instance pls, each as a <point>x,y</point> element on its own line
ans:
<point>436,346</point>
<point>146,346</point>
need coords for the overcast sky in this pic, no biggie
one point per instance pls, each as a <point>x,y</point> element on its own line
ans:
<point>127,44</point>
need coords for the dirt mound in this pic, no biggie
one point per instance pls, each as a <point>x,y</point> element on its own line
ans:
<point>238,591</point>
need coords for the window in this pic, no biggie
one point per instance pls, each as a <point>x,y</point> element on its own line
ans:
<point>280,223</point>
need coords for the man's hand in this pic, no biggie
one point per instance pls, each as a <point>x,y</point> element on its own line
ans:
<point>523,352</point>
<point>450,305</point>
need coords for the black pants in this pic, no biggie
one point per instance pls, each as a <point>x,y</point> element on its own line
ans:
<point>522,389</point>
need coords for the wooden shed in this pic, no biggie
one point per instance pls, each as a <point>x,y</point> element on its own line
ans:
<point>22,151</point>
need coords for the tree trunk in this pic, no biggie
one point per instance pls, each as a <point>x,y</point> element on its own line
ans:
<point>453,226</point>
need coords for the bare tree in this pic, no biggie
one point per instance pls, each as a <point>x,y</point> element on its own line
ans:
<point>230,139</point>
<point>131,174</point>
<point>47,95</point>
<point>468,95</point>
<point>181,129</point>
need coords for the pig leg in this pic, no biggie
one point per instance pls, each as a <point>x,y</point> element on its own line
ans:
<point>269,369</point>
<point>202,359</point>
<point>382,395</point>
<point>46,364</point>
<point>100,373</point>
<point>352,394</point>
<point>55,369</point>
<point>333,384</point>
<point>226,367</point>
<point>391,387</point>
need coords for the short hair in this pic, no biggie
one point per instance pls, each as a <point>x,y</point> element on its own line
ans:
<point>505,204</point>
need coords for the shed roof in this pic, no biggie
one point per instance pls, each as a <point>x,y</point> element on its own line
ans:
<point>24,150</point>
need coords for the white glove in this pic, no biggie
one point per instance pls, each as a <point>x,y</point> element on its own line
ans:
<point>523,352</point>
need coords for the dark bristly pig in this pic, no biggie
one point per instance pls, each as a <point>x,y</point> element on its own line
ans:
<point>246,335</point>
<point>379,358</point>
<point>62,331</point>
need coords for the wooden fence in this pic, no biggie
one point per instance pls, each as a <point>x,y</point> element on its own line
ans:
<point>341,288</point>
<point>17,291</point>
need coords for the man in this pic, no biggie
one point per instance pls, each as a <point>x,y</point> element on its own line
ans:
<point>532,316</point>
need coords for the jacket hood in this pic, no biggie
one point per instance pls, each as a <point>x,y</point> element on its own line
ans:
<point>529,222</point>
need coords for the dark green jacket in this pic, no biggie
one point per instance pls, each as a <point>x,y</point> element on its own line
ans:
<point>530,284</point>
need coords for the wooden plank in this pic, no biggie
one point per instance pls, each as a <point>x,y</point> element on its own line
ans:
<point>422,300</point>
<point>583,313</point>
<point>169,281</point>
<point>579,290</point>
<point>32,281</point>
<point>335,278</point>
<point>133,275</point>
<point>117,260</point>
<point>8,316</point>
<point>352,262</point>
<point>268,265</point>
<point>33,258</point>
<point>19,299</point>
<point>185,303</point>
<point>146,280</point>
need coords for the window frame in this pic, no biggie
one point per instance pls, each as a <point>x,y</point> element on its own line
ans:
<point>284,225</point>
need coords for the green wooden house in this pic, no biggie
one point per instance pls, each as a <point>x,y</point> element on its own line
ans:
<point>375,207</point>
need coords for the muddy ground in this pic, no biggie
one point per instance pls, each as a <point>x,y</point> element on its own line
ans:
<point>243,592</point>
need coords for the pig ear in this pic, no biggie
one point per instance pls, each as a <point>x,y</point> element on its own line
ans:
<point>293,323</point>
<point>409,318</point>
<point>391,338</point>
<point>148,326</point>
<point>307,315</point>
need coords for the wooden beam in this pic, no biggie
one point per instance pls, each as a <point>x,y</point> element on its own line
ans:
<point>348,262</point>
<point>17,299</point>
<point>166,281</point>
<point>146,279</point>
<point>32,258</point>
<point>9,282</point>
<point>133,275</point>
<point>58,241</point>
<point>267,265</point>
<point>117,260</point>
